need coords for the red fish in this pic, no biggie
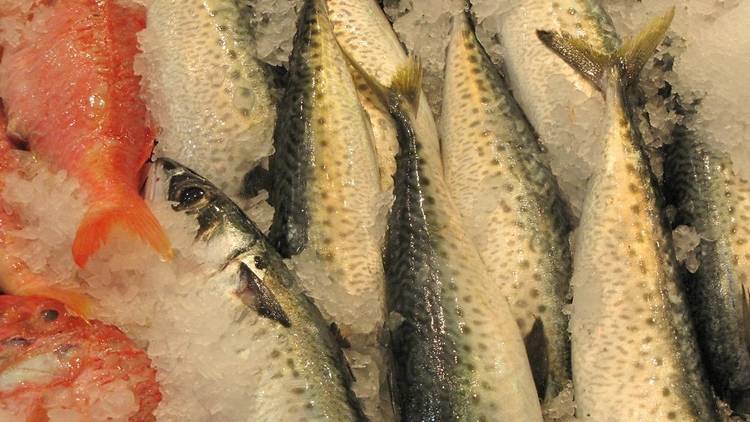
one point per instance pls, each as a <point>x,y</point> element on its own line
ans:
<point>15,276</point>
<point>56,366</point>
<point>71,93</point>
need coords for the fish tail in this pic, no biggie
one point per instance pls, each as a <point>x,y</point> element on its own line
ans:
<point>130,212</point>
<point>595,65</point>
<point>406,85</point>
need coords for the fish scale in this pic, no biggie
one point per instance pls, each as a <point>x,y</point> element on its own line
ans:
<point>328,179</point>
<point>563,108</point>
<point>369,42</point>
<point>509,201</point>
<point>328,198</point>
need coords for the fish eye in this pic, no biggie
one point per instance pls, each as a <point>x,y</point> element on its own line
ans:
<point>50,315</point>
<point>191,196</point>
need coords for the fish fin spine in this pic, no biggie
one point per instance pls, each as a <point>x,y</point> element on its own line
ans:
<point>594,65</point>
<point>129,212</point>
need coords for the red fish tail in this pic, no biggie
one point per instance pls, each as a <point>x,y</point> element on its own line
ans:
<point>129,212</point>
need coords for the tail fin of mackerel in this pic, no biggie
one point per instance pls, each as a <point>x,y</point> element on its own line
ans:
<point>628,60</point>
<point>406,84</point>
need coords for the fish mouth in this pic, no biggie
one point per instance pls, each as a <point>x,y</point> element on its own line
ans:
<point>158,178</point>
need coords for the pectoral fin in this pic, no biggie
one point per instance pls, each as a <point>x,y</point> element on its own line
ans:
<point>256,295</point>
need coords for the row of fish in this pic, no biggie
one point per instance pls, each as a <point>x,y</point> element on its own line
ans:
<point>470,270</point>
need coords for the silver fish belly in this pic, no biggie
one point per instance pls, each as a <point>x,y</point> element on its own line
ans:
<point>327,190</point>
<point>564,109</point>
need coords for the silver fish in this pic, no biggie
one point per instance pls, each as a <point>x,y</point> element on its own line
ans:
<point>369,42</point>
<point>634,351</point>
<point>509,201</point>
<point>326,178</point>
<point>302,374</point>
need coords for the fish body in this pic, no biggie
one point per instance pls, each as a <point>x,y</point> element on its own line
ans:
<point>300,372</point>
<point>206,89</point>
<point>57,366</point>
<point>565,110</point>
<point>714,199</point>
<point>509,201</point>
<point>369,42</point>
<point>70,91</point>
<point>633,345</point>
<point>325,172</point>
<point>457,349</point>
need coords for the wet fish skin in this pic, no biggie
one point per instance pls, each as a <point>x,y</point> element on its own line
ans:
<point>370,44</point>
<point>458,352</point>
<point>70,91</point>
<point>633,344</point>
<point>305,368</point>
<point>325,172</point>
<point>510,202</point>
<point>563,108</point>
<point>712,197</point>
<point>208,92</point>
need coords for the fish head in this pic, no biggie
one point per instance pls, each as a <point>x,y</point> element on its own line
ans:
<point>214,218</point>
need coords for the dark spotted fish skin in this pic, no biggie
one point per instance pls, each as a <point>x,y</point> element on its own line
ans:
<point>325,171</point>
<point>304,375</point>
<point>712,198</point>
<point>510,202</point>
<point>457,349</point>
<point>634,352</point>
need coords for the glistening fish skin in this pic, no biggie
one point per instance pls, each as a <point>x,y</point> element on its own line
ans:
<point>207,91</point>
<point>304,376</point>
<point>509,201</point>
<point>458,351</point>
<point>369,42</point>
<point>325,172</point>
<point>563,108</point>
<point>712,198</point>
<point>635,357</point>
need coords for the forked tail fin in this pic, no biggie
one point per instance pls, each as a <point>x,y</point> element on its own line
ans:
<point>593,64</point>
<point>130,212</point>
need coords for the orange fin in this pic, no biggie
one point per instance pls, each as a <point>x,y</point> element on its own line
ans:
<point>132,214</point>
